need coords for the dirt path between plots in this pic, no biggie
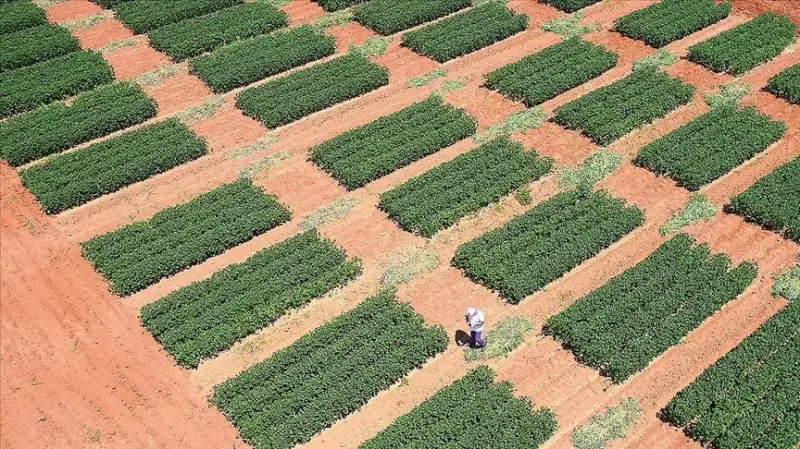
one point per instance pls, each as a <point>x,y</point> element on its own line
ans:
<point>76,368</point>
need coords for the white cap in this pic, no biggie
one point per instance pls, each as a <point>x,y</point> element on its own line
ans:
<point>471,311</point>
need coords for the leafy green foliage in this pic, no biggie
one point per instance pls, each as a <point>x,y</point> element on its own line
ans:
<point>142,16</point>
<point>465,33</point>
<point>611,425</point>
<point>542,245</point>
<point>19,15</point>
<point>612,111</point>
<point>328,373</point>
<point>749,398</point>
<point>569,5</point>
<point>729,95</point>
<point>654,61</point>
<point>209,316</point>
<point>523,196</point>
<point>438,198</point>
<point>472,412</point>
<point>501,340</point>
<point>552,71</point>
<point>31,45</point>
<point>310,90</point>
<point>670,20</point>
<point>697,208</point>
<point>247,61</point>
<point>335,5</point>
<point>26,88</point>
<point>390,16</point>
<point>142,253</point>
<point>56,127</point>
<point>205,33</point>
<point>750,44</point>
<point>786,84</point>
<point>75,178</point>
<point>625,324</point>
<point>773,201</point>
<point>710,146</point>
<point>369,152</point>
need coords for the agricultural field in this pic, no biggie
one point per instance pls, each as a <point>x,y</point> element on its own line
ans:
<point>258,224</point>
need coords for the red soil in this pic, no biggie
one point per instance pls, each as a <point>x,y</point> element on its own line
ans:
<point>152,404</point>
<point>76,368</point>
<point>102,34</point>
<point>756,7</point>
<point>72,10</point>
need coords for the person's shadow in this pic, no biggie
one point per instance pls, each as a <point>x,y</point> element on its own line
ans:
<point>462,338</point>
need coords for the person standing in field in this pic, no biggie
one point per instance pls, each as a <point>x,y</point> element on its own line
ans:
<point>475,320</point>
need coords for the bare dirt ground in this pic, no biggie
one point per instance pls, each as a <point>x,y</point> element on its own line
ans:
<point>79,371</point>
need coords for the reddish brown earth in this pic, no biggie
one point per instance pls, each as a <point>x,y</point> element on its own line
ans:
<point>79,371</point>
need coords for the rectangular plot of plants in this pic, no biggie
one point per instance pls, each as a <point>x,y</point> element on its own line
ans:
<point>750,44</point>
<point>364,154</point>
<point>444,417</point>
<point>773,201</point>
<point>69,180</point>
<point>670,20</point>
<point>25,88</point>
<point>247,61</point>
<point>335,5</point>
<point>198,35</point>
<point>142,16</point>
<point>466,32</point>
<point>750,397</point>
<point>542,245</point>
<point>710,146</point>
<point>438,198</point>
<point>390,16</point>
<point>328,373</point>
<point>786,84</point>
<point>140,254</point>
<point>310,90</point>
<point>208,317</point>
<point>19,15</point>
<point>610,112</point>
<point>627,323</point>
<point>57,127</point>
<point>552,71</point>
<point>36,44</point>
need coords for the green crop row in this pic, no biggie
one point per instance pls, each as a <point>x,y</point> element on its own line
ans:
<point>250,60</point>
<point>26,88</point>
<point>109,3</point>
<point>140,254</point>
<point>569,5</point>
<point>335,5</point>
<point>142,16</point>
<point>205,33</point>
<point>750,397</point>
<point>710,146</point>
<point>328,373</point>
<point>634,318</point>
<point>748,45</point>
<point>786,84</point>
<point>466,32</point>
<point>773,201</point>
<point>542,245</point>
<point>19,15</point>
<point>390,16</point>
<point>544,75</point>
<point>313,89</point>
<point>364,154</point>
<point>69,180</point>
<point>209,316</point>
<point>438,198</point>
<point>56,127</point>
<point>457,413</point>
<point>610,112</point>
<point>32,45</point>
<point>670,20</point>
